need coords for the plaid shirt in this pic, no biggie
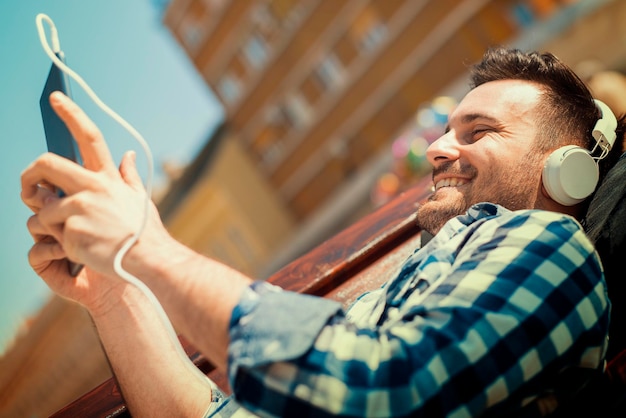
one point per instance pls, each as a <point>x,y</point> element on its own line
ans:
<point>483,318</point>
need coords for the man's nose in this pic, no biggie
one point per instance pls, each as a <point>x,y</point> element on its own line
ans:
<point>445,148</point>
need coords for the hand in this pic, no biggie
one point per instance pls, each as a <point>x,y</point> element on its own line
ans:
<point>103,206</point>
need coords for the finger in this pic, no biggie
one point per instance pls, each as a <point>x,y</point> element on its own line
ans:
<point>42,194</point>
<point>128,170</point>
<point>55,216</point>
<point>53,169</point>
<point>43,252</point>
<point>93,148</point>
<point>41,233</point>
<point>48,258</point>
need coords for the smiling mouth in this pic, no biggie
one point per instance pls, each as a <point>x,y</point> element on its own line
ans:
<point>450,182</point>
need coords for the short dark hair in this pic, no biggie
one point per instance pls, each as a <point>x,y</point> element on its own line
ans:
<point>567,113</point>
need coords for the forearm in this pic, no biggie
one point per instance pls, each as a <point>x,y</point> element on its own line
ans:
<point>154,378</point>
<point>103,207</point>
<point>198,293</point>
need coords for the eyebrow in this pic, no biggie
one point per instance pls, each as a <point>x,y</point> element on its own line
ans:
<point>471,117</point>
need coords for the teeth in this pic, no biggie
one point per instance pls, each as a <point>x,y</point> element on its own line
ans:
<point>449,182</point>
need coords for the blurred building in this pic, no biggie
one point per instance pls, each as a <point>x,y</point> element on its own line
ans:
<point>316,93</point>
<point>236,215</point>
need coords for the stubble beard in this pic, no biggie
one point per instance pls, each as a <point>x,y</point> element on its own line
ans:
<point>515,189</point>
<point>433,214</point>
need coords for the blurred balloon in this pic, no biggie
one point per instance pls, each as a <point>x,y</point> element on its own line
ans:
<point>442,107</point>
<point>416,155</point>
<point>426,117</point>
<point>387,186</point>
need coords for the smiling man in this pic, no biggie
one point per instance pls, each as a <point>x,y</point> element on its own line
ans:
<point>489,318</point>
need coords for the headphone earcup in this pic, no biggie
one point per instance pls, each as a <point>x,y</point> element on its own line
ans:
<point>570,175</point>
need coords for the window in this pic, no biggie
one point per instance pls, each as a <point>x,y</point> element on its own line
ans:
<point>229,88</point>
<point>297,110</point>
<point>373,37</point>
<point>272,153</point>
<point>330,72</point>
<point>368,31</point>
<point>192,25</point>
<point>256,51</point>
<point>191,34</point>
<point>268,143</point>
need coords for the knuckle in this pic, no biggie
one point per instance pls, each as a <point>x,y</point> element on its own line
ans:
<point>31,254</point>
<point>80,204</point>
<point>27,197</point>
<point>35,256</point>
<point>47,162</point>
<point>91,133</point>
<point>31,223</point>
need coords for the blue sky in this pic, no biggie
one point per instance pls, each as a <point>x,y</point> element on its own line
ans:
<point>131,61</point>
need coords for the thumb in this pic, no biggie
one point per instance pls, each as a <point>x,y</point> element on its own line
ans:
<point>128,170</point>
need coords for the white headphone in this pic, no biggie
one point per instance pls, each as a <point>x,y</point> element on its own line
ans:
<point>571,173</point>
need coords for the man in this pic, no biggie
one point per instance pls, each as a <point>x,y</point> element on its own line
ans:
<point>484,319</point>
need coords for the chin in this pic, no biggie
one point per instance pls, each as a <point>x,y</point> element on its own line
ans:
<point>433,214</point>
<point>447,196</point>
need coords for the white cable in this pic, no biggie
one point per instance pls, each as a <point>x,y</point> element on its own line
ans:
<point>117,262</point>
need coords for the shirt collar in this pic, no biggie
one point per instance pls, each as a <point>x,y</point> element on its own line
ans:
<point>479,211</point>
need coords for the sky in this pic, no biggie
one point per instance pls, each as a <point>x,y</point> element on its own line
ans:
<point>132,62</point>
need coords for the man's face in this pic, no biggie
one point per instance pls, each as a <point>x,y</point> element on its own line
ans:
<point>486,154</point>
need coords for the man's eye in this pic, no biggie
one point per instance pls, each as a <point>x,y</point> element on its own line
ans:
<point>479,133</point>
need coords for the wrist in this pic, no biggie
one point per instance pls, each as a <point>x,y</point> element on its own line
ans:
<point>154,259</point>
<point>113,299</point>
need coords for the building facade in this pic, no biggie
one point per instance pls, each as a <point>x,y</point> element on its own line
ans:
<point>222,208</point>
